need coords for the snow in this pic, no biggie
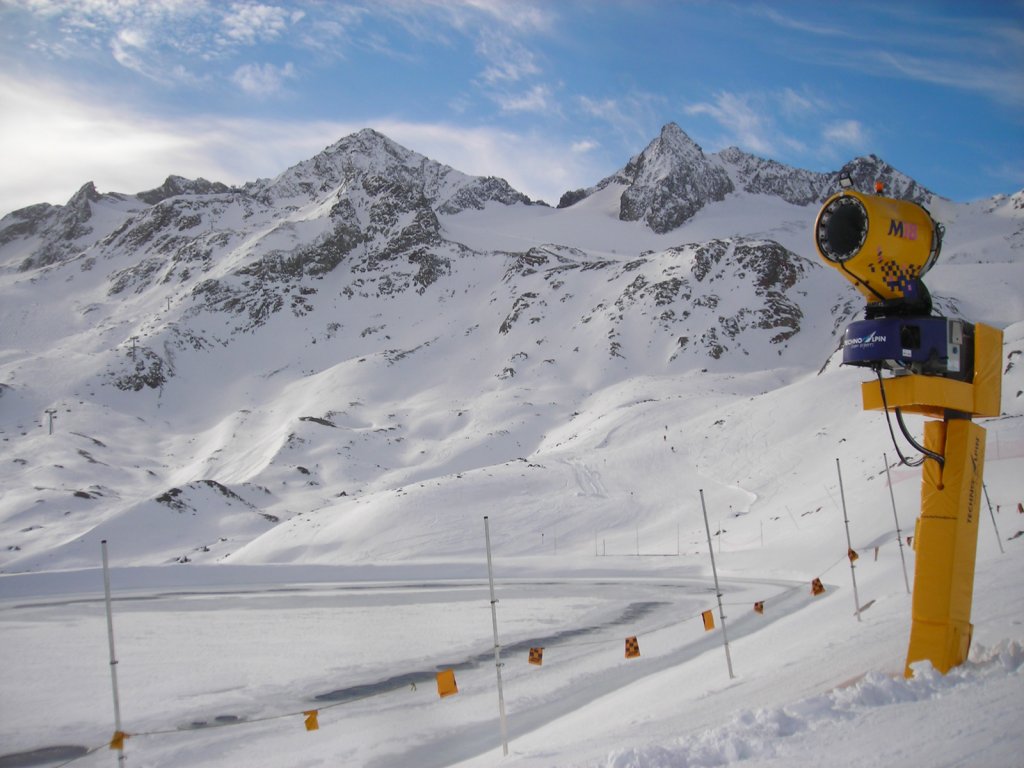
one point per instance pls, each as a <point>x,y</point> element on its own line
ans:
<point>812,685</point>
<point>325,548</point>
<point>260,643</point>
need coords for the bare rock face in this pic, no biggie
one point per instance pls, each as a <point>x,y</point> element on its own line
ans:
<point>670,181</point>
<point>673,179</point>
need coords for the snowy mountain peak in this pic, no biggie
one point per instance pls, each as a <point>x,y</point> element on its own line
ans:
<point>373,163</point>
<point>864,172</point>
<point>669,181</point>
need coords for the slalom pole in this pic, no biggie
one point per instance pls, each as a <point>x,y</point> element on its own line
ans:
<point>993,516</point>
<point>899,536</point>
<point>718,592</point>
<point>118,733</point>
<point>497,647</point>
<point>849,544</point>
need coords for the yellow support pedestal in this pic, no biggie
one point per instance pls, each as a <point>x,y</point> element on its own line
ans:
<point>945,540</point>
<point>946,537</point>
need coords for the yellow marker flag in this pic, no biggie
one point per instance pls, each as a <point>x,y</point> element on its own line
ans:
<point>446,683</point>
<point>117,740</point>
<point>312,724</point>
<point>632,647</point>
<point>709,620</point>
<point>817,587</point>
<point>537,656</point>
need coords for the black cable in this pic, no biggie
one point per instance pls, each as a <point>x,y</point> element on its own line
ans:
<point>888,420</point>
<point>906,433</point>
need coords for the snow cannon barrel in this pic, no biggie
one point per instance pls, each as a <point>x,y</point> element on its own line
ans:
<point>881,245</point>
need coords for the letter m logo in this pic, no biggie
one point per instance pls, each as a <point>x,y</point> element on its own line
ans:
<point>896,228</point>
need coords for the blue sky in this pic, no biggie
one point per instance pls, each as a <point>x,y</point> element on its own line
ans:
<point>549,95</point>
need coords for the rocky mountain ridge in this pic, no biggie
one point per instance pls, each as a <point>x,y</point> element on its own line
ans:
<point>672,179</point>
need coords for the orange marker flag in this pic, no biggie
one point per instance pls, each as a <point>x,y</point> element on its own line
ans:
<point>817,587</point>
<point>312,724</point>
<point>632,647</point>
<point>709,620</point>
<point>759,606</point>
<point>852,555</point>
<point>537,656</point>
<point>117,740</point>
<point>446,683</point>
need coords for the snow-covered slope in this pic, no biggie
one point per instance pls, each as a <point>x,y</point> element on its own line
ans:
<point>370,320</point>
<point>349,364</point>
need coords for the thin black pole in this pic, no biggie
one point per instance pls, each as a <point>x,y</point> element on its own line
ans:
<point>849,544</point>
<point>497,647</point>
<point>718,592</point>
<point>899,535</point>
<point>993,516</point>
<point>118,734</point>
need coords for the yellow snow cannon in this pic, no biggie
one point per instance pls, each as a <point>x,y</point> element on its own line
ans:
<point>881,245</point>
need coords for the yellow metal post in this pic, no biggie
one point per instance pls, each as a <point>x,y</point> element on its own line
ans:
<point>946,541</point>
<point>946,534</point>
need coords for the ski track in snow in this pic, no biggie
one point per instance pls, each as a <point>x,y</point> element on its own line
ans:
<point>469,741</point>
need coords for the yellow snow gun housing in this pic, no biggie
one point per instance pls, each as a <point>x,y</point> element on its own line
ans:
<point>945,369</point>
<point>881,245</point>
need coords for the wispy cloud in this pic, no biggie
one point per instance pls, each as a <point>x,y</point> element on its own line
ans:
<point>52,141</point>
<point>128,47</point>
<point>160,40</point>
<point>522,16</point>
<point>632,116</point>
<point>999,83</point>
<point>849,133</point>
<point>782,124</point>
<point>902,42</point>
<point>508,60</point>
<point>744,120</point>
<point>538,164</point>
<point>263,80</point>
<point>248,23</point>
<point>536,99</point>
<point>800,24</point>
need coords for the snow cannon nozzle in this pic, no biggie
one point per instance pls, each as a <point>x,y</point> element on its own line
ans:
<point>883,246</point>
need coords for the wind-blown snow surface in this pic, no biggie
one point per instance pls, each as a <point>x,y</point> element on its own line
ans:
<point>298,511</point>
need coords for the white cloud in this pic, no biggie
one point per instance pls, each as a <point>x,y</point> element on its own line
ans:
<point>744,121</point>
<point>510,61</point>
<point>584,145</point>
<point>128,47</point>
<point>262,80</point>
<point>536,164</point>
<point>635,116</point>
<point>536,99</point>
<point>796,105</point>
<point>850,133</point>
<point>52,141</point>
<point>249,22</point>
<point>1002,84</point>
